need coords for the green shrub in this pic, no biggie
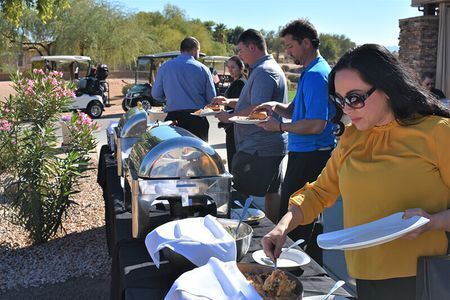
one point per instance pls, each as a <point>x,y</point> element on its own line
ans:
<point>293,77</point>
<point>126,87</point>
<point>43,178</point>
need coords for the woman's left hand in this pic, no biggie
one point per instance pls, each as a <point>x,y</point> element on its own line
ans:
<point>418,212</point>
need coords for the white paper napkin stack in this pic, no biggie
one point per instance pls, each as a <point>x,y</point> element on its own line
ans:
<point>197,239</point>
<point>216,280</point>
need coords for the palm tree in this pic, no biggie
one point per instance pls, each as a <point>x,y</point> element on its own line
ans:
<point>220,33</point>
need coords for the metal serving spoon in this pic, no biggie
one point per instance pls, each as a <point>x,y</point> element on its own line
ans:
<point>244,212</point>
<point>333,289</point>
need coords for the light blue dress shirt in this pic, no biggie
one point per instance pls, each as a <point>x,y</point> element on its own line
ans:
<point>184,83</point>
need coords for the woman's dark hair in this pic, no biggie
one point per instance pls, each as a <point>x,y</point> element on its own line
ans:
<point>238,61</point>
<point>378,67</point>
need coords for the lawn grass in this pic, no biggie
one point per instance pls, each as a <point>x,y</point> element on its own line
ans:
<point>291,95</point>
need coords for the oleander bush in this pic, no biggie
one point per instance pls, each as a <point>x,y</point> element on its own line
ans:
<point>126,87</point>
<point>42,177</point>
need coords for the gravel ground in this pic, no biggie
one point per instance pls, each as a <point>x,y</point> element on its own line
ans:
<point>75,263</point>
<point>78,254</point>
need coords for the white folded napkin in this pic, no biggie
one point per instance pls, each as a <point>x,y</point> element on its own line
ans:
<point>197,239</point>
<point>216,280</point>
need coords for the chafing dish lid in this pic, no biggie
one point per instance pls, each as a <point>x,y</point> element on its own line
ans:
<point>133,123</point>
<point>173,152</point>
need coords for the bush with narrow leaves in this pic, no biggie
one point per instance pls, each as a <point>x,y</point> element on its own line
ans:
<point>42,177</point>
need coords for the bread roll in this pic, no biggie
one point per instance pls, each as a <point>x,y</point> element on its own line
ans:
<point>214,107</point>
<point>258,115</point>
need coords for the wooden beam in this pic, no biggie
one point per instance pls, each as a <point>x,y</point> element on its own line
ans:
<point>416,3</point>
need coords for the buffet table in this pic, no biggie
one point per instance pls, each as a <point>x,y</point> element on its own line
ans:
<point>134,276</point>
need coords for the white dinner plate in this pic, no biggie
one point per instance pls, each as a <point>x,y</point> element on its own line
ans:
<point>252,215</point>
<point>374,233</point>
<point>205,113</point>
<point>245,120</point>
<point>288,259</point>
<point>319,297</point>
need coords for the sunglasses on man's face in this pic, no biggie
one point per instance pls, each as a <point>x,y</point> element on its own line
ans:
<point>352,99</point>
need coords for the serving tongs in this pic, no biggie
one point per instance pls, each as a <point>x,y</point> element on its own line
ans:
<point>244,212</point>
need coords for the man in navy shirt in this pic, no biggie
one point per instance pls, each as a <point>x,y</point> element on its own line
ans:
<point>186,85</point>
<point>310,135</point>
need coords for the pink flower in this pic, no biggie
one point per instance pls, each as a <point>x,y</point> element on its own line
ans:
<point>5,125</point>
<point>55,74</point>
<point>65,118</point>
<point>69,93</point>
<point>38,71</point>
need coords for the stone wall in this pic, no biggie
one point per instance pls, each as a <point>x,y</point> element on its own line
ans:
<point>418,43</point>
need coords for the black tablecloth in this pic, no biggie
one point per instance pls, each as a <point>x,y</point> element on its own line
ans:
<point>134,276</point>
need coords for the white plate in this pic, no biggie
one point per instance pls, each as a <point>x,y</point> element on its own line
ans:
<point>370,234</point>
<point>319,297</point>
<point>252,214</point>
<point>206,112</point>
<point>245,120</point>
<point>289,259</point>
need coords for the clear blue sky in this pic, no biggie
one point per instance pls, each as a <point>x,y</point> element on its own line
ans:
<point>363,21</point>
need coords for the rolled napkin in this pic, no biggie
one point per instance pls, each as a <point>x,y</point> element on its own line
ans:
<point>197,239</point>
<point>216,280</point>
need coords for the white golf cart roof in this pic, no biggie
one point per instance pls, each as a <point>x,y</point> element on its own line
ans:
<point>164,55</point>
<point>217,58</point>
<point>61,58</point>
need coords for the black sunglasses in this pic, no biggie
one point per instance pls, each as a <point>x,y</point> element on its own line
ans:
<point>352,99</point>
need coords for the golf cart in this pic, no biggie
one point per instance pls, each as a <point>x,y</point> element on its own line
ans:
<point>92,93</point>
<point>144,76</point>
<point>218,67</point>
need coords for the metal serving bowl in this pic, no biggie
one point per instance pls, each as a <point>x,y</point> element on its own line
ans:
<point>243,237</point>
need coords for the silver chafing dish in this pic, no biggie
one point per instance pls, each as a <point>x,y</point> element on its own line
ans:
<point>131,126</point>
<point>173,174</point>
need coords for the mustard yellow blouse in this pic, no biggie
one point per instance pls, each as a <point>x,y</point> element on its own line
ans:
<point>380,172</point>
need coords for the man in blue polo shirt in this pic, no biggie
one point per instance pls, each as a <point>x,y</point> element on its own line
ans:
<point>310,135</point>
<point>186,85</point>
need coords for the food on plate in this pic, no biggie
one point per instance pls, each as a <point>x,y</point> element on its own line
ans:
<point>197,112</point>
<point>273,285</point>
<point>258,115</point>
<point>208,109</point>
<point>213,107</point>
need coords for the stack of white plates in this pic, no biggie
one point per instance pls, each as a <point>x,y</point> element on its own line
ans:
<point>370,234</point>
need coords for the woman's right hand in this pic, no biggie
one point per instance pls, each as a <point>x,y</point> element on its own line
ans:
<point>273,242</point>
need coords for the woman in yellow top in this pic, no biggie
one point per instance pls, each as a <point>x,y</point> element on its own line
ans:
<point>394,157</point>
